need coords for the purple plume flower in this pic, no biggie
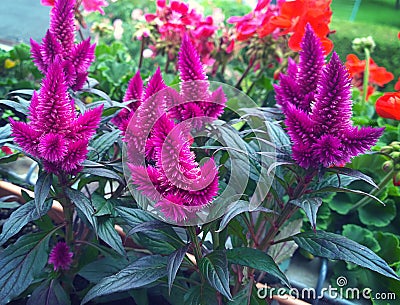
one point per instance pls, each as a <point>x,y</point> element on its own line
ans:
<point>59,42</point>
<point>195,100</point>
<point>56,134</point>
<point>60,256</point>
<point>162,165</point>
<point>316,100</point>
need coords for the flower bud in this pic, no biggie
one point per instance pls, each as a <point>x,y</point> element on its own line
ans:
<point>396,179</point>
<point>387,149</point>
<point>387,166</point>
<point>360,44</point>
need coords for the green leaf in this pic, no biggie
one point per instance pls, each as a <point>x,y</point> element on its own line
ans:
<point>310,207</point>
<point>109,235</point>
<point>389,246</point>
<point>148,226</point>
<point>376,215</point>
<point>103,143</point>
<point>361,236</point>
<point>353,173</point>
<point>284,250</point>
<point>214,267</point>
<point>335,246</point>
<point>9,158</point>
<point>239,207</point>
<point>344,190</point>
<point>103,172</point>
<point>42,189</point>
<point>99,269</point>
<point>200,295</point>
<point>22,216</point>
<point>84,205</point>
<point>133,217</point>
<point>101,205</point>
<point>174,262</point>
<point>19,107</point>
<point>256,259</point>
<point>21,262</point>
<point>144,271</point>
<point>49,293</point>
<point>115,71</point>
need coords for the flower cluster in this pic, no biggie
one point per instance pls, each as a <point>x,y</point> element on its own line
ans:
<point>59,41</point>
<point>175,20</point>
<point>287,17</point>
<point>378,76</point>
<point>60,256</point>
<point>315,98</point>
<point>56,134</point>
<point>158,138</point>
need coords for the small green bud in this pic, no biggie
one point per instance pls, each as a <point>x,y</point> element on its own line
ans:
<point>388,166</point>
<point>387,149</point>
<point>360,44</point>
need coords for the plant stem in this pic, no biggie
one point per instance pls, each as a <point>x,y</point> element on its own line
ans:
<point>375,192</point>
<point>286,213</point>
<point>366,75</point>
<point>195,241</point>
<point>141,53</point>
<point>251,63</point>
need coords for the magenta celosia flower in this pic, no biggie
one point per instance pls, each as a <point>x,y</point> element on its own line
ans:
<point>195,98</point>
<point>315,98</point>
<point>55,134</point>
<point>162,165</point>
<point>60,41</point>
<point>60,256</point>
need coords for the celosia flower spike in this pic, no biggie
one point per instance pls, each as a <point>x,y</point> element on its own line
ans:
<point>318,115</point>
<point>60,256</point>
<point>190,66</point>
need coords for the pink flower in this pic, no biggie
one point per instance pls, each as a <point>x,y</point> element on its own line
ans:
<point>88,5</point>
<point>60,256</point>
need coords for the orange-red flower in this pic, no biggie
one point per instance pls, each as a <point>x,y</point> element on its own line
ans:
<point>293,18</point>
<point>388,106</point>
<point>397,85</point>
<point>287,17</point>
<point>378,76</point>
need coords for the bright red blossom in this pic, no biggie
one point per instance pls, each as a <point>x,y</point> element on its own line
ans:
<point>388,106</point>
<point>378,76</point>
<point>287,17</point>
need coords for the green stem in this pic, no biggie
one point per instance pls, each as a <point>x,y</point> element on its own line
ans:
<point>197,249</point>
<point>251,64</point>
<point>366,75</point>
<point>375,192</point>
<point>286,213</point>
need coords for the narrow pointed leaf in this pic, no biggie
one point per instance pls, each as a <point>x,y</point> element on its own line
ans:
<point>84,205</point>
<point>335,246</point>
<point>42,189</point>
<point>21,217</point>
<point>256,259</point>
<point>20,263</point>
<point>144,271</point>
<point>240,206</point>
<point>310,207</point>
<point>49,293</point>
<point>148,226</point>
<point>103,172</point>
<point>109,235</point>
<point>353,173</point>
<point>214,267</point>
<point>174,262</point>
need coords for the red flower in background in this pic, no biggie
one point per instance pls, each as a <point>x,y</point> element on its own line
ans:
<point>378,76</point>
<point>388,106</point>
<point>287,18</point>
<point>175,20</point>
<point>88,5</point>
